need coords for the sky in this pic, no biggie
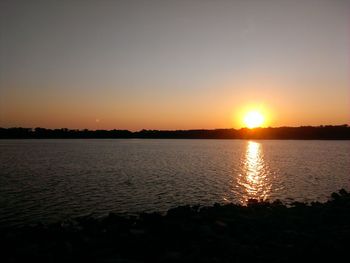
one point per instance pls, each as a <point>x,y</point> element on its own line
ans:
<point>192,64</point>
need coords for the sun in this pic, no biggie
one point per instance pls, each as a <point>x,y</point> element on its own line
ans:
<point>253,119</point>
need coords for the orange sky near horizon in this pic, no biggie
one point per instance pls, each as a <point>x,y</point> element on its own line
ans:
<point>178,109</point>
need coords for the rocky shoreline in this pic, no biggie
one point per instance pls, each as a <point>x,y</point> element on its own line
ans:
<point>260,232</point>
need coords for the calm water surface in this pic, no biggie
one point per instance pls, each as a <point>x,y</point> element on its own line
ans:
<point>53,179</point>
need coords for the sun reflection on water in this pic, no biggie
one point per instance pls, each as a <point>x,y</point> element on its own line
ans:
<point>254,182</point>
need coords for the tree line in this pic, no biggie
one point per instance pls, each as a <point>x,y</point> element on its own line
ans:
<point>327,132</point>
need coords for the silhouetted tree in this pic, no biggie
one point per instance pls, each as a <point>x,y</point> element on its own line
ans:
<point>327,132</point>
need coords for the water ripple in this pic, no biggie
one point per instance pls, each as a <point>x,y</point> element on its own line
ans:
<point>43,180</point>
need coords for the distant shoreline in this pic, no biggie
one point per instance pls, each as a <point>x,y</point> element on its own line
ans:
<point>327,132</point>
<point>163,139</point>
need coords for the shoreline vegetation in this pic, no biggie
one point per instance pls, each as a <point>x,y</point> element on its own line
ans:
<point>259,232</point>
<point>327,132</point>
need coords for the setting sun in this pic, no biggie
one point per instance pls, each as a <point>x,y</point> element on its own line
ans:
<point>253,119</point>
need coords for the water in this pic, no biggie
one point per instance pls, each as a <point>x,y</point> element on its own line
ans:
<point>47,180</point>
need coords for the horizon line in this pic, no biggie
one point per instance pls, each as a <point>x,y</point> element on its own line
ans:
<point>192,129</point>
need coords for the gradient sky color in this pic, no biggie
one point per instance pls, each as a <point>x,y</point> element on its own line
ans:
<point>102,64</point>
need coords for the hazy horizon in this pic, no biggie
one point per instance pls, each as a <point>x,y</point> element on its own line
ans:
<point>171,65</point>
<point>190,129</point>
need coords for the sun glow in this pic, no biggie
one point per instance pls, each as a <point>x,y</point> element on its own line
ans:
<point>253,119</point>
